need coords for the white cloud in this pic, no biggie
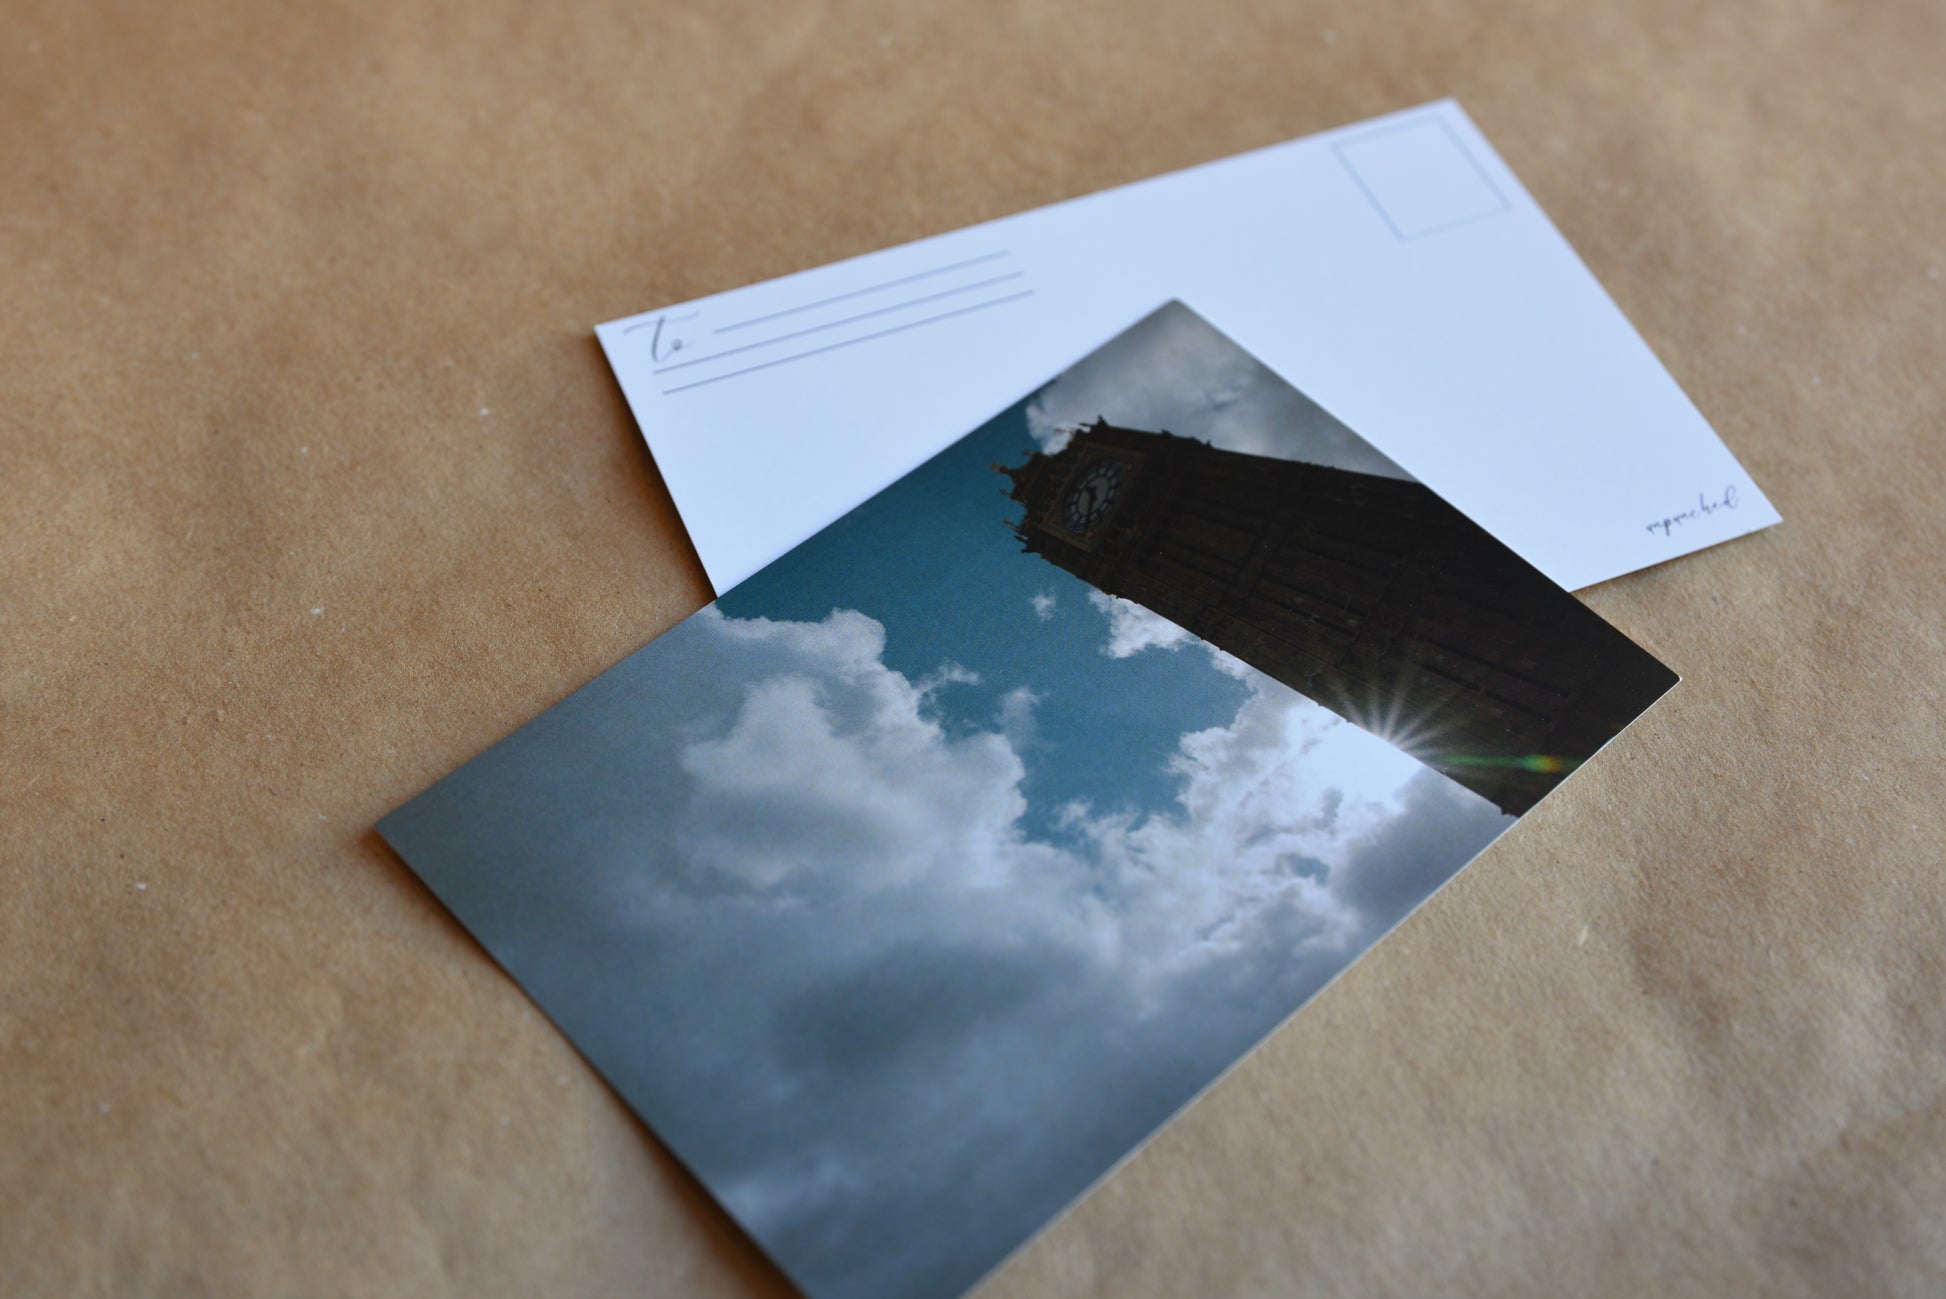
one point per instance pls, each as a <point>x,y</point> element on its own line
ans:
<point>1269,811</point>
<point>1132,628</point>
<point>946,674</point>
<point>1174,372</point>
<point>829,773</point>
<point>1017,720</point>
<point>838,976</point>
<point>833,771</point>
<point>1043,602</point>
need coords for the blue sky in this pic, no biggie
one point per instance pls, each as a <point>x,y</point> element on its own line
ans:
<point>935,562</point>
<point>908,887</point>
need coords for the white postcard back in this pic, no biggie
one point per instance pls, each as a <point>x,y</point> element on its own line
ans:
<point>1395,271</point>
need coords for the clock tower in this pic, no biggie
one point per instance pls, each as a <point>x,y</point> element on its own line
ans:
<point>1369,595</point>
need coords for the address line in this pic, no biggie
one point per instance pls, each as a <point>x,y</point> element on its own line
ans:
<point>862,338</point>
<point>848,320</point>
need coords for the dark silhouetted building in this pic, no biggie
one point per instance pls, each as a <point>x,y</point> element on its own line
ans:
<point>1370,595</point>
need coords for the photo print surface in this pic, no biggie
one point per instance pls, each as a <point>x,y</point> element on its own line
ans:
<point>915,882</point>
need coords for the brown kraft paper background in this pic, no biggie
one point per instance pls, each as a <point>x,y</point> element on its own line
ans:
<point>313,483</point>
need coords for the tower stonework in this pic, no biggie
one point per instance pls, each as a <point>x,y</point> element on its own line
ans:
<point>1369,595</point>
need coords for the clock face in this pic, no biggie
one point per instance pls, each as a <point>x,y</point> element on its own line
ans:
<point>1091,496</point>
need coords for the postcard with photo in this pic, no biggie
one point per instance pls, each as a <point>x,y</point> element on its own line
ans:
<point>915,882</point>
